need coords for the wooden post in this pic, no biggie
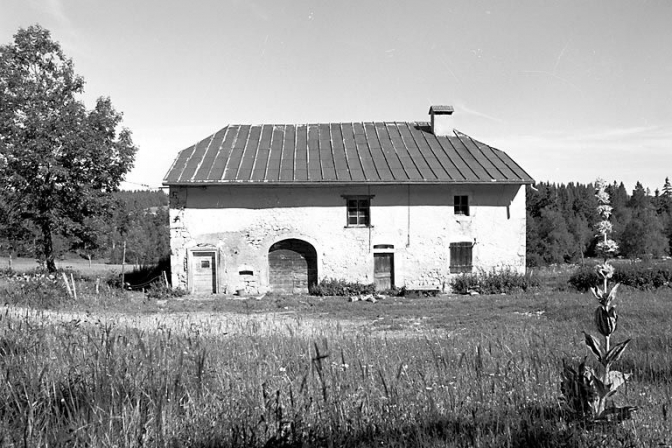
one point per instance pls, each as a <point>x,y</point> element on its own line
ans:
<point>165,279</point>
<point>98,286</point>
<point>123,265</point>
<point>67,286</point>
<point>74,289</point>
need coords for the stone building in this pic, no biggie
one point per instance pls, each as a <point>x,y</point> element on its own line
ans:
<point>259,208</point>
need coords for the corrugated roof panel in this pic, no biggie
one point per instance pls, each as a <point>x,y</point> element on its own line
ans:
<point>351,154</point>
<point>233,164</point>
<point>377,153</point>
<point>341,152</point>
<point>209,157</point>
<point>481,158</point>
<point>340,159</point>
<point>326,153</point>
<point>195,160</point>
<point>416,141</point>
<point>442,165</point>
<point>401,148</point>
<point>410,156</point>
<point>474,171</point>
<point>179,164</point>
<point>314,169</point>
<point>288,152</point>
<point>493,156</point>
<point>301,154</point>
<point>275,155</point>
<point>218,165</point>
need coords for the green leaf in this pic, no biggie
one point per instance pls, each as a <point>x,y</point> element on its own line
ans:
<point>616,379</point>
<point>595,346</point>
<point>616,351</point>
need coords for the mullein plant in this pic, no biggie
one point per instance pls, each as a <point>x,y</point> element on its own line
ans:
<point>587,390</point>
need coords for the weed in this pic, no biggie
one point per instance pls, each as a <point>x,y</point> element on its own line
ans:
<point>496,281</point>
<point>335,287</point>
<point>587,392</point>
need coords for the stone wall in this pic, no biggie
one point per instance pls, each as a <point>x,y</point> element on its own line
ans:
<point>241,222</point>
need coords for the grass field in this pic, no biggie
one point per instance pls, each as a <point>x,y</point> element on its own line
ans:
<point>79,264</point>
<point>120,370</point>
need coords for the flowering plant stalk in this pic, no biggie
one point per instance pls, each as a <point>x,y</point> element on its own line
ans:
<point>587,391</point>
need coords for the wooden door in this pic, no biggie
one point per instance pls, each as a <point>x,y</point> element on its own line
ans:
<point>383,271</point>
<point>204,273</point>
<point>292,266</point>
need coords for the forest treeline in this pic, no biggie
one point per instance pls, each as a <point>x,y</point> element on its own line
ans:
<point>137,220</point>
<point>561,220</point>
<point>560,226</point>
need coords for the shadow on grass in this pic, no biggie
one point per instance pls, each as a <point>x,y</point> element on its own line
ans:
<point>527,427</point>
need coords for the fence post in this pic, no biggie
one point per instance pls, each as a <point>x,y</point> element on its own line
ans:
<point>74,289</point>
<point>67,286</point>
<point>123,265</point>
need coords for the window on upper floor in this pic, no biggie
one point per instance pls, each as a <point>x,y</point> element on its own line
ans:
<point>461,204</point>
<point>461,257</point>
<point>359,211</point>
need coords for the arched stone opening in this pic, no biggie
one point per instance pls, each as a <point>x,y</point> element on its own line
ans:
<point>292,266</point>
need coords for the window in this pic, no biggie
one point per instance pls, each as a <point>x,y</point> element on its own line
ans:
<point>460,257</point>
<point>358,212</point>
<point>461,205</point>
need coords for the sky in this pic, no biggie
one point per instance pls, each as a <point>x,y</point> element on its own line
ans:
<point>572,90</point>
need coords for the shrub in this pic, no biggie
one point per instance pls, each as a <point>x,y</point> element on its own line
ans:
<point>584,278</point>
<point>642,276</point>
<point>494,282</point>
<point>464,283</point>
<point>36,290</point>
<point>159,290</point>
<point>335,287</point>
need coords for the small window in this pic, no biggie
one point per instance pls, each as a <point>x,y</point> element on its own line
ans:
<point>460,257</point>
<point>358,212</point>
<point>205,264</point>
<point>461,205</point>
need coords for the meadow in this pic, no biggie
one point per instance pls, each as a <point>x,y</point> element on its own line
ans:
<point>118,369</point>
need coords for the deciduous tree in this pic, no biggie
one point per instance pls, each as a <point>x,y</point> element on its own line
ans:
<point>59,162</point>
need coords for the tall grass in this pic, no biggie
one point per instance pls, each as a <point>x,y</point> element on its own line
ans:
<point>94,383</point>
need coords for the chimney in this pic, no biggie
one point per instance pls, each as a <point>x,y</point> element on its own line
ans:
<point>441,120</point>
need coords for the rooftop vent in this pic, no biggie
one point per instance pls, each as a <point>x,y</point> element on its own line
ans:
<point>441,120</point>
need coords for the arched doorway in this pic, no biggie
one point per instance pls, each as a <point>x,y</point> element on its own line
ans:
<point>292,266</point>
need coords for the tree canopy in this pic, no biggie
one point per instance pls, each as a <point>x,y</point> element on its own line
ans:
<point>59,162</point>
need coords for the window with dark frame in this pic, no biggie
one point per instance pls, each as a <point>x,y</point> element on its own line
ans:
<point>358,212</point>
<point>461,205</point>
<point>461,257</point>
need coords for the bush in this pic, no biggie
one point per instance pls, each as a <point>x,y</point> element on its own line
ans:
<point>159,290</point>
<point>642,276</point>
<point>584,278</point>
<point>503,281</point>
<point>334,287</point>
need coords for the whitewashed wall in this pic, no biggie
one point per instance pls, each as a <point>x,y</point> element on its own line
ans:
<point>241,222</point>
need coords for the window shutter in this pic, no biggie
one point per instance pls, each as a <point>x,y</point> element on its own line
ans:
<point>461,257</point>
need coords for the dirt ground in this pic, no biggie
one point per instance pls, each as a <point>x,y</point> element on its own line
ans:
<point>218,323</point>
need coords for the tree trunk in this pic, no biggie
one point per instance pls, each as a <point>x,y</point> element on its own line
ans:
<point>48,247</point>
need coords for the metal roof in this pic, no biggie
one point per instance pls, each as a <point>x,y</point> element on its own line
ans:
<point>336,153</point>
